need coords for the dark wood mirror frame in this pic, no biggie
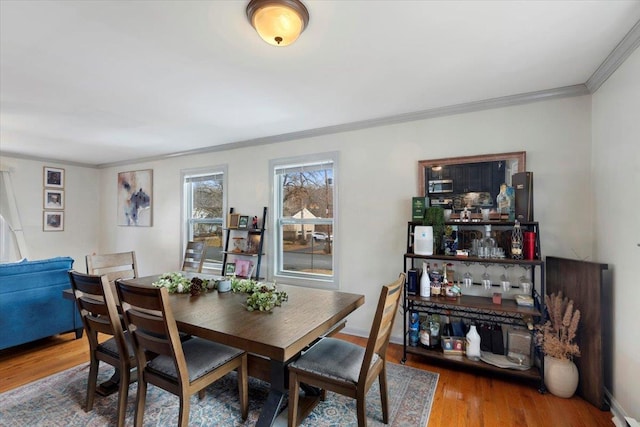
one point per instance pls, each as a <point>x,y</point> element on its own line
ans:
<point>520,156</point>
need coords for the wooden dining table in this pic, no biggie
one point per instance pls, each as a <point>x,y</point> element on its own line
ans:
<point>272,339</point>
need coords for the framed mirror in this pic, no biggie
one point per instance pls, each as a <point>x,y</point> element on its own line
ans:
<point>451,182</point>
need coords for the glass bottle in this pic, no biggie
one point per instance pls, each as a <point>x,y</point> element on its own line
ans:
<point>414,329</point>
<point>473,343</point>
<point>488,243</point>
<point>448,328</point>
<point>502,201</point>
<point>516,241</point>
<point>425,282</point>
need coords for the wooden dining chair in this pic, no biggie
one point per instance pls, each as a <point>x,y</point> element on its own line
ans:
<point>194,257</point>
<point>121,265</point>
<point>346,368</point>
<point>98,310</point>
<point>181,368</point>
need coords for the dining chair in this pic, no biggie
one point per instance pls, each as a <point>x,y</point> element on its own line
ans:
<point>346,368</point>
<point>121,265</point>
<point>194,257</point>
<point>98,310</point>
<point>181,368</point>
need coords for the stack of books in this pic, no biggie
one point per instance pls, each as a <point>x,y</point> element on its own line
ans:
<point>524,300</point>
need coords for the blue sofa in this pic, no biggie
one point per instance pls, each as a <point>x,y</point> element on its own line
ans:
<point>31,302</point>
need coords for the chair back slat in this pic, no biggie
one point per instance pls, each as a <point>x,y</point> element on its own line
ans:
<point>150,321</point>
<point>194,256</point>
<point>98,308</point>
<point>115,266</point>
<point>382,324</point>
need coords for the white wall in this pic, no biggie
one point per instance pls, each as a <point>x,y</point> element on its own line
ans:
<point>81,226</point>
<point>378,177</point>
<point>616,184</point>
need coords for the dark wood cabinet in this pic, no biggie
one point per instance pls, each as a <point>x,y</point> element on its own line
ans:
<point>588,285</point>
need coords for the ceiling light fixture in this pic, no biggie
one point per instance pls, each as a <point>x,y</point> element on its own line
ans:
<point>278,22</point>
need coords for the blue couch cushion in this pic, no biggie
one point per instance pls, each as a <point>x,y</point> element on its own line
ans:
<point>31,301</point>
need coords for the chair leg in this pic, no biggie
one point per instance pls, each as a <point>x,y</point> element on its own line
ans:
<point>183,417</point>
<point>294,395</point>
<point>361,406</point>
<point>243,387</point>
<point>123,394</point>
<point>93,380</point>
<point>201,394</point>
<point>141,398</point>
<point>384,394</point>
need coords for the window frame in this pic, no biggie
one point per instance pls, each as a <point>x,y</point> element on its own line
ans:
<point>277,222</point>
<point>186,217</point>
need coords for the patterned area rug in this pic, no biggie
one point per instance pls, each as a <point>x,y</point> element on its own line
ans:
<point>58,400</point>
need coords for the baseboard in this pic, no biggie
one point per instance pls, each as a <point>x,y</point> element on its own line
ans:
<point>620,417</point>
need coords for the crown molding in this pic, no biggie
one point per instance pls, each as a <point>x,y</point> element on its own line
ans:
<point>468,107</point>
<point>11,154</point>
<point>617,56</point>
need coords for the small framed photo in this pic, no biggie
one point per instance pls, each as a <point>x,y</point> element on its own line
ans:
<point>53,177</point>
<point>53,221</point>
<point>234,219</point>
<point>230,269</point>
<point>243,222</point>
<point>53,199</point>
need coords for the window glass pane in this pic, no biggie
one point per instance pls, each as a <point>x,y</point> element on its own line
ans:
<point>304,219</point>
<point>204,212</point>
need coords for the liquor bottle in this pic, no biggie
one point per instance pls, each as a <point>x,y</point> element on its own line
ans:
<point>414,329</point>
<point>487,250</point>
<point>448,328</point>
<point>425,282</point>
<point>516,241</point>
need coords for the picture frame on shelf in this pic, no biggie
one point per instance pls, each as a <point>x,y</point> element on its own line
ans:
<point>234,219</point>
<point>243,222</point>
<point>53,177</point>
<point>243,268</point>
<point>53,221</point>
<point>53,199</point>
<point>253,243</point>
<point>230,269</point>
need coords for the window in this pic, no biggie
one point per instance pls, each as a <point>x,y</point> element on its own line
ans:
<point>304,224</point>
<point>204,204</point>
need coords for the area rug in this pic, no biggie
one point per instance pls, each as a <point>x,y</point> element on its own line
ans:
<point>58,400</point>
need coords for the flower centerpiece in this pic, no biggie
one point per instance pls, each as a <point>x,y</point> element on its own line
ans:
<point>177,283</point>
<point>556,336</point>
<point>262,296</point>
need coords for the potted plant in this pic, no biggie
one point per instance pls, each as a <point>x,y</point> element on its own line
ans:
<point>434,216</point>
<point>557,339</point>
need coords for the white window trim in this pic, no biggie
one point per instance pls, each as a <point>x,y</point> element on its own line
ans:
<point>303,279</point>
<point>184,233</point>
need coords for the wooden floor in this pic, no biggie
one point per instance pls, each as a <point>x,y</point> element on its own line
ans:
<point>462,398</point>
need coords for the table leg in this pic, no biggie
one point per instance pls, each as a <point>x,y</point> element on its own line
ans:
<point>277,393</point>
<point>110,386</point>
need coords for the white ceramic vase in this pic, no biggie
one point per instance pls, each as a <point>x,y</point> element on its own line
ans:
<point>560,376</point>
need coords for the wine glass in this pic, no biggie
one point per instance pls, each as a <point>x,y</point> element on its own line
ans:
<point>486,278</point>
<point>467,278</point>
<point>504,280</point>
<point>524,281</point>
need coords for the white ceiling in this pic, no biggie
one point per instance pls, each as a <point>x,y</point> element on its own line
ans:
<point>102,82</point>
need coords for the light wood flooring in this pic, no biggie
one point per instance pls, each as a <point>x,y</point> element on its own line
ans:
<point>462,398</point>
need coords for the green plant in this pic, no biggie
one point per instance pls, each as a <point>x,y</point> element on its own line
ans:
<point>262,296</point>
<point>177,283</point>
<point>556,335</point>
<point>434,217</point>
